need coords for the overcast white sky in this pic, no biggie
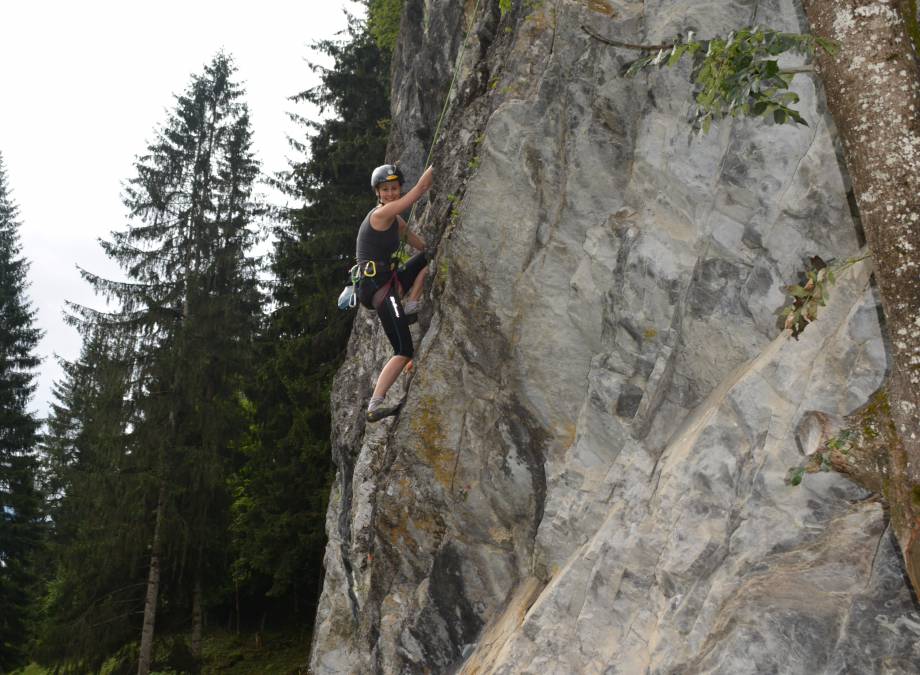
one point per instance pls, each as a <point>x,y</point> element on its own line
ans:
<point>84,85</point>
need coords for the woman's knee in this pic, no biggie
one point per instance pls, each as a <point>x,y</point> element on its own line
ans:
<point>406,351</point>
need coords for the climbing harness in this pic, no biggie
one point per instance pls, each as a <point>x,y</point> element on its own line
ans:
<point>348,298</point>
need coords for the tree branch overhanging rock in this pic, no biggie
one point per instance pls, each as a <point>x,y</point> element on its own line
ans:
<point>625,45</point>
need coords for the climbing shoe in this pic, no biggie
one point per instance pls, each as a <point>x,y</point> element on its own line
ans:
<point>377,413</point>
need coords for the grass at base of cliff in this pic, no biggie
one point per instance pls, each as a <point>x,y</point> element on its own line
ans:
<point>281,653</point>
<point>30,669</point>
<point>284,653</point>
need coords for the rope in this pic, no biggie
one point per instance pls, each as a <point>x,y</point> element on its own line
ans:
<point>437,130</point>
<point>452,82</point>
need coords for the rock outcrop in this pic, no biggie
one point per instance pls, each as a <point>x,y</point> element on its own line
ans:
<point>588,474</point>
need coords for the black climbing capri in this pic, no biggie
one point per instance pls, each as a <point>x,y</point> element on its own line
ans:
<point>386,302</point>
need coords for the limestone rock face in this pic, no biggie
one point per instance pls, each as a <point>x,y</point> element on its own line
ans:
<point>588,472</point>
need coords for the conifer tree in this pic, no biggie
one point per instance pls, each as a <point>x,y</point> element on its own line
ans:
<point>282,492</point>
<point>95,484</point>
<point>20,501</point>
<point>190,308</point>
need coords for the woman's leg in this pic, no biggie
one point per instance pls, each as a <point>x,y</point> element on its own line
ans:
<point>415,292</point>
<point>389,374</point>
<point>412,277</point>
<point>396,326</point>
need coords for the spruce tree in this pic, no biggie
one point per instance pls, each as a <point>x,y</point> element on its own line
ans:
<point>96,485</point>
<point>20,501</point>
<point>282,491</point>
<point>189,307</point>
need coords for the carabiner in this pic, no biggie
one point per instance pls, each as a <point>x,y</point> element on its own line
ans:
<point>370,269</point>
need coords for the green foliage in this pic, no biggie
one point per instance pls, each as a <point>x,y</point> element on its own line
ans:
<point>532,6</point>
<point>813,293</point>
<point>230,653</point>
<point>795,475</point>
<point>21,506</point>
<point>149,417</point>
<point>31,669</point>
<point>738,75</point>
<point>504,6</point>
<point>843,442</point>
<point>258,653</point>
<point>96,482</point>
<point>281,490</point>
<point>383,18</point>
<point>443,268</point>
<point>455,212</point>
<point>176,381</point>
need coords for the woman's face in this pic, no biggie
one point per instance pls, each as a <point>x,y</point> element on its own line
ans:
<point>388,192</point>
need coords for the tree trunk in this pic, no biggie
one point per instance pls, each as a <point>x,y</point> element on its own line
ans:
<point>872,86</point>
<point>237,587</point>
<point>153,589</point>
<point>196,617</point>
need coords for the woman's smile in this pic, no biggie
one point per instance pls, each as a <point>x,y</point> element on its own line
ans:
<point>388,192</point>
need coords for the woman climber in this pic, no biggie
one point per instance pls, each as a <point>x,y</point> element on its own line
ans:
<point>382,284</point>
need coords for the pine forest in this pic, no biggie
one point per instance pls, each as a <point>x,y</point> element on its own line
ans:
<point>170,510</point>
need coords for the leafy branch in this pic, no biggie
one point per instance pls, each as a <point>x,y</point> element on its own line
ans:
<point>808,297</point>
<point>735,76</point>
<point>822,459</point>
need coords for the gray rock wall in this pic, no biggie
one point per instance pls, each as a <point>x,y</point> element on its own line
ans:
<point>588,473</point>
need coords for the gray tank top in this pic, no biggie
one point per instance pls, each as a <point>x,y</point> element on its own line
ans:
<point>376,245</point>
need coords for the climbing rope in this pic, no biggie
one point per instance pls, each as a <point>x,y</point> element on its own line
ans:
<point>400,254</point>
<point>453,81</point>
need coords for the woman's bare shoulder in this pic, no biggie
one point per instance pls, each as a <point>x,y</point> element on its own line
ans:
<point>380,222</point>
